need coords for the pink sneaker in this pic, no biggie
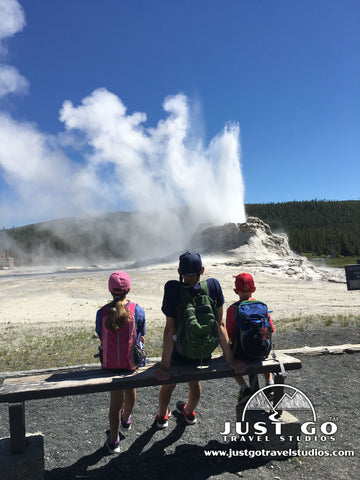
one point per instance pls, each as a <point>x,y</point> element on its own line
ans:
<point>113,447</point>
<point>125,424</point>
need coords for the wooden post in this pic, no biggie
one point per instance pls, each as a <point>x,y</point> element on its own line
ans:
<point>17,427</point>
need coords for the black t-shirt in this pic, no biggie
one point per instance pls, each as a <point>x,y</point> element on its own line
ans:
<point>172,295</point>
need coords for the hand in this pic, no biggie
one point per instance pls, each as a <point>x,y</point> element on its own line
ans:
<point>238,366</point>
<point>162,373</point>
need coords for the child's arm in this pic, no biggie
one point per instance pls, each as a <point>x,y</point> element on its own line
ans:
<point>271,324</point>
<point>140,323</point>
<point>230,322</point>
<point>163,372</point>
<point>237,365</point>
<point>98,323</point>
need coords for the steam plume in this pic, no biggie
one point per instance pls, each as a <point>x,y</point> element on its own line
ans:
<point>158,170</point>
<point>108,160</point>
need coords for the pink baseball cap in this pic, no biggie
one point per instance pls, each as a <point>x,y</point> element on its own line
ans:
<point>244,282</point>
<point>119,282</point>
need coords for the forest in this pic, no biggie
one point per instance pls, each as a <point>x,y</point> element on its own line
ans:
<point>329,228</point>
<point>318,227</point>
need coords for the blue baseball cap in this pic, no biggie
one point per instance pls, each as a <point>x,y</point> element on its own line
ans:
<point>190,263</point>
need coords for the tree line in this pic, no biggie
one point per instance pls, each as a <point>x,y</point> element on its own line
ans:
<point>321,227</point>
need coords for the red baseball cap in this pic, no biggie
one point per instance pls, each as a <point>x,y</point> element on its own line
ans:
<point>244,282</point>
<point>119,282</point>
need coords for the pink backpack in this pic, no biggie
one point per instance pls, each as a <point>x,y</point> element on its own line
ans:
<point>118,345</point>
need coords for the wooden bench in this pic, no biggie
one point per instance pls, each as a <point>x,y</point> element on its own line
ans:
<point>15,390</point>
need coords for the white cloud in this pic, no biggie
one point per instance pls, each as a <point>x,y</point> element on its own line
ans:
<point>12,20</point>
<point>36,172</point>
<point>11,81</point>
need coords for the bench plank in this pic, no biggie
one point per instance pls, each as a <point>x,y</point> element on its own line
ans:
<point>97,380</point>
<point>17,389</point>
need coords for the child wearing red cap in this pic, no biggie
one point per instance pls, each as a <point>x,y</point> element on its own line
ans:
<point>121,401</point>
<point>244,288</point>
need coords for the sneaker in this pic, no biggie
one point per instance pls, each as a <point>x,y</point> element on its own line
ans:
<point>244,395</point>
<point>162,422</point>
<point>113,447</point>
<point>189,417</point>
<point>125,424</point>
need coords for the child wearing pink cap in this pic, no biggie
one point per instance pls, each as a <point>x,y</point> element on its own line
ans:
<point>244,288</point>
<point>117,315</point>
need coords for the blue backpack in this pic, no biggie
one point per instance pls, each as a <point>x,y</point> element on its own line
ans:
<point>253,331</point>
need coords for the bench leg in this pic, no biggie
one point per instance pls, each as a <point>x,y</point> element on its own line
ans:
<point>254,387</point>
<point>17,427</point>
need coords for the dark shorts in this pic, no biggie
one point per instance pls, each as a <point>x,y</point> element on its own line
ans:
<point>177,358</point>
<point>239,354</point>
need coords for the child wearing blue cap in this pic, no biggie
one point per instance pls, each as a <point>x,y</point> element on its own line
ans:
<point>190,270</point>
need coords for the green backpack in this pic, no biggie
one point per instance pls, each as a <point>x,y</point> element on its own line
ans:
<point>197,326</point>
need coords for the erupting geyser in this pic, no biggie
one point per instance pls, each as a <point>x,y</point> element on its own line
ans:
<point>164,172</point>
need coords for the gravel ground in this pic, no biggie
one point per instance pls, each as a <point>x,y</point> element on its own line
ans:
<point>73,427</point>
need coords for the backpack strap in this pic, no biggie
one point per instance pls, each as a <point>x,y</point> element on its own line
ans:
<point>131,307</point>
<point>204,287</point>
<point>105,311</point>
<point>236,309</point>
<point>185,294</point>
<point>249,302</point>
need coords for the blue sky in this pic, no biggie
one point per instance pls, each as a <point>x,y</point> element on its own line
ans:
<point>271,85</point>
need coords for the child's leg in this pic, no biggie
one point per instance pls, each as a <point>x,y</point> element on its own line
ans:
<point>269,379</point>
<point>116,401</point>
<point>269,392</point>
<point>240,380</point>
<point>165,397</point>
<point>130,397</point>
<point>244,392</point>
<point>194,396</point>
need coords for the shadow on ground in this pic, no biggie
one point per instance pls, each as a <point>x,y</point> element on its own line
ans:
<point>188,460</point>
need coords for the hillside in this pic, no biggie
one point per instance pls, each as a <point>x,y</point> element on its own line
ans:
<point>329,228</point>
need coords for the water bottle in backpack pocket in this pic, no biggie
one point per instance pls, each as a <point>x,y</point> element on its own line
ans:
<point>253,331</point>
